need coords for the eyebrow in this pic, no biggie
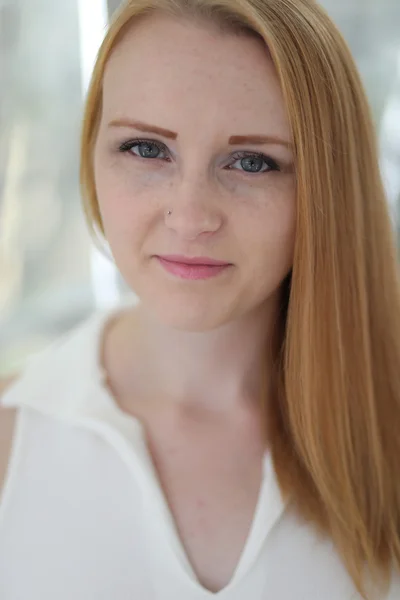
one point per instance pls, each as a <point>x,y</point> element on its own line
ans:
<point>234,140</point>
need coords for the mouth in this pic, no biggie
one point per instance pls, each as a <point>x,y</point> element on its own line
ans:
<point>195,260</point>
<point>192,268</point>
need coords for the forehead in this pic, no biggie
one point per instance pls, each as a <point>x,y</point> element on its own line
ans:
<point>180,66</point>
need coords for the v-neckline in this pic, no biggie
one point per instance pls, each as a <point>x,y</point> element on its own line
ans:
<point>132,443</point>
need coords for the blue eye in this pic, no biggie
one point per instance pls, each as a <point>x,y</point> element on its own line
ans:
<point>254,162</point>
<point>145,148</point>
<point>250,162</point>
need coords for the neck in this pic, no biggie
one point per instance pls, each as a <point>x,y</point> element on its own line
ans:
<point>216,370</point>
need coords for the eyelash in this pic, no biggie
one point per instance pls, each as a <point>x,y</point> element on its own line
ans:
<point>272,164</point>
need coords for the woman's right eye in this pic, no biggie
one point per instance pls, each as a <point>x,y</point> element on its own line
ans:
<point>144,148</point>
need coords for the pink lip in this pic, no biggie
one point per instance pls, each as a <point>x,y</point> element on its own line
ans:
<point>194,270</point>
<point>197,260</point>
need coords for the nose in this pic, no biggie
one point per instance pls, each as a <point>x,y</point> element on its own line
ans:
<point>194,209</point>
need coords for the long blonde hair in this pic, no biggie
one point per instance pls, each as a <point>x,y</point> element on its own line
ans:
<point>334,419</point>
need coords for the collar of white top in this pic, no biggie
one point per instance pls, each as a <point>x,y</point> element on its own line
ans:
<point>69,370</point>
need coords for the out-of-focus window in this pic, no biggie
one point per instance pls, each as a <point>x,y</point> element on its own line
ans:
<point>51,276</point>
<point>49,272</point>
<point>43,243</point>
<point>372,29</point>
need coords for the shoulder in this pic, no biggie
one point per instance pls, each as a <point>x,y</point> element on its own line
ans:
<point>53,382</point>
<point>8,417</point>
<point>59,372</point>
<point>46,375</point>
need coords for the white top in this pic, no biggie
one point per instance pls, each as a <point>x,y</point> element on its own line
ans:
<point>83,517</point>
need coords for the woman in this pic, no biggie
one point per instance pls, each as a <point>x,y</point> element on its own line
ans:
<point>236,433</point>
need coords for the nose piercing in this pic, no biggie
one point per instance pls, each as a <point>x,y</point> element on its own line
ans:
<point>169,212</point>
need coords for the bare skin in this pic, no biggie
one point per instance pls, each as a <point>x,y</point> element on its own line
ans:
<point>208,460</point>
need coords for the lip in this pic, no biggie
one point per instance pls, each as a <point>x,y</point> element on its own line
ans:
<point>193,270</point>
<point>197,260</point>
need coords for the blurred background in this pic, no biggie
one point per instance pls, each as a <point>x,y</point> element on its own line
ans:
<point>51,275</point>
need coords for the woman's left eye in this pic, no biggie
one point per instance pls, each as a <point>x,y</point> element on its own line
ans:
<point>147,149</point>
<point>254,163</point>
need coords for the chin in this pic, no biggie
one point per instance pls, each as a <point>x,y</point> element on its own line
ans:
<point>191,316</point>
<point>187,306</point>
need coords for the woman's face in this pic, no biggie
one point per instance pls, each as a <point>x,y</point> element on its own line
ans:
<point>187,113</point>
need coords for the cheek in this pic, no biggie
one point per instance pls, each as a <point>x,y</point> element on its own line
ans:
<point>269,235</point>
<point>126,200</point>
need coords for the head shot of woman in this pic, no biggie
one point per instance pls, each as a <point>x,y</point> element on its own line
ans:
<point>236,432</point>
